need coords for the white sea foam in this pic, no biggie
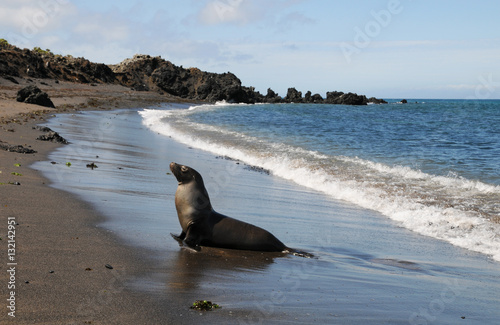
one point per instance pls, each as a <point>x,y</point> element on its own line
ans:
<point>218,104</point>
<point>409,173</point>
<point>434,206</point>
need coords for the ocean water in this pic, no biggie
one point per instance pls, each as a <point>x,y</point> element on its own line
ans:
<point>380,221</point>
<point>431,165</point>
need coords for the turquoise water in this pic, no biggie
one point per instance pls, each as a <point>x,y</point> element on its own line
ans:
<point>431,165</point>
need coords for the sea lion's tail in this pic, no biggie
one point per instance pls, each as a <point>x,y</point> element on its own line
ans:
<point>296,252</point>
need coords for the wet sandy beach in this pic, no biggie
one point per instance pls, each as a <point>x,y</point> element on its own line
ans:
<point>366,270</point>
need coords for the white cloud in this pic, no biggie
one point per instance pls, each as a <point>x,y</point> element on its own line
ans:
<point>459,87</point>
<point>101,29</point>
<point>294,18</point>
<point>229,11</point>
<point>202,51</point>
<point>34,14</point>
<point>241,12</point>
<point>23,22</point>
<point>110,53</point>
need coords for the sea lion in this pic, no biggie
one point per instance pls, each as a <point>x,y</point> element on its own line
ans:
<point>203,226</point>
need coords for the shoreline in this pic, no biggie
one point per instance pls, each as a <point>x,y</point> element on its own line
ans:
<point>59,260</point>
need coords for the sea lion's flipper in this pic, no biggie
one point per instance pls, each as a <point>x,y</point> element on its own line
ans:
<point>193,249</point>
<point>191,239</point>
<point>183,243</point>
<point>179,238</point>
<point>299,253</point>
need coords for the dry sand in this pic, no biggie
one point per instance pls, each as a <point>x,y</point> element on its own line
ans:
<point>60,272</point>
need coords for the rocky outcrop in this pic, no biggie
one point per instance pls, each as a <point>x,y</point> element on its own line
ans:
<point>272,97</point>
<point>293,96</point>
<point>80,69</point>
<point>332,95</point>
<point>374,100</point>
<point>315,99</point>
<point>15,148</point>
<point>144,72</point>
<point>33,95</point>
<point>49,135</point>
<point>52,136</point>
<point>147,73</point>
<point>136,72</point>
<point>44,64</point>
<point>340,98</point>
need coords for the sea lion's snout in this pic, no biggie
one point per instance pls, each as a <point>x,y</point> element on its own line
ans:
<point>181,172</point>
<point>175,170</point>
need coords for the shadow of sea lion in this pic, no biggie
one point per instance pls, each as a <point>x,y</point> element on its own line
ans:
<point>191,268</point>
<point>397,263</point>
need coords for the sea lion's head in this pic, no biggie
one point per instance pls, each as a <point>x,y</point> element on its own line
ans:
<point>185,174</point>
<point>191,196</point>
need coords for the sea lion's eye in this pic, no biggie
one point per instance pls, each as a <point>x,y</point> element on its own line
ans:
<point>184,169</point>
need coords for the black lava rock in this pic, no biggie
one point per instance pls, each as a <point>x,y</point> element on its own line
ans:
<point>33,95</point>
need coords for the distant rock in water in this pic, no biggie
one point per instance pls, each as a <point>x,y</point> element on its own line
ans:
<point>293,96</point>
<point>272,97</point>
<point>338,97</point>
<point>376,101</point>
<point>33,95</point>
<point>404,101</point>
<point>316,98</point>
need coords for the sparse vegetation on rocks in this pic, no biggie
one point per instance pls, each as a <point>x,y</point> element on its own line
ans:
<point>147,73</point>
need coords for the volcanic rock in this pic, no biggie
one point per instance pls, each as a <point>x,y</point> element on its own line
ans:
<point>147,73</point>
<point>293,96</point>
<point>33,95</point>
<point>53,137</point>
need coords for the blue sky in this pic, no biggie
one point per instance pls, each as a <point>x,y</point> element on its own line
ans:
<point>386,49</point>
